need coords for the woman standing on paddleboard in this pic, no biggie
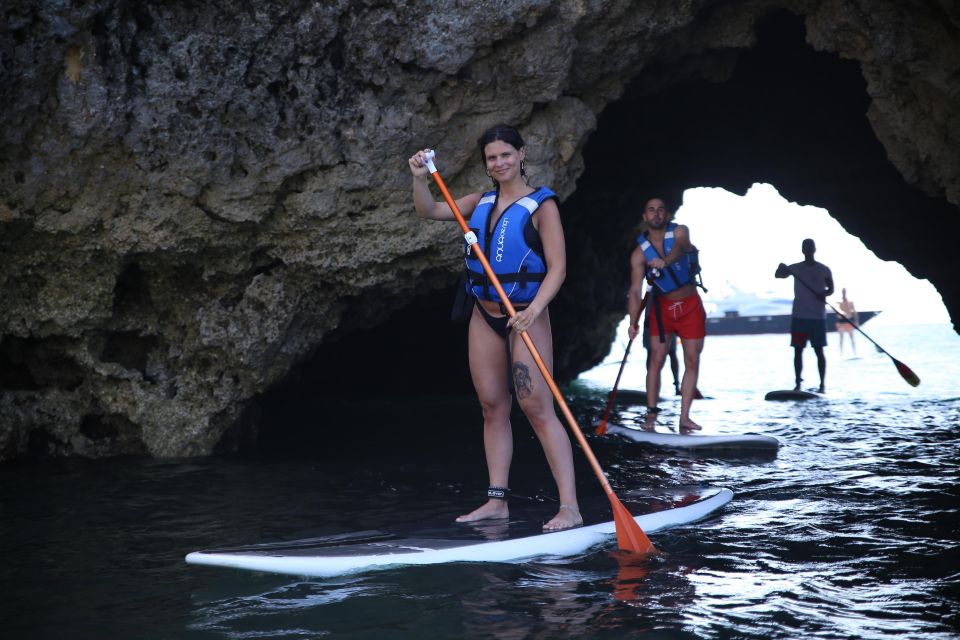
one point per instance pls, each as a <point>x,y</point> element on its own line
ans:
<point>519,230</point>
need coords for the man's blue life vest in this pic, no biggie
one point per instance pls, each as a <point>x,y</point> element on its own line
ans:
<point>680,273</point>
<point>513,248</point>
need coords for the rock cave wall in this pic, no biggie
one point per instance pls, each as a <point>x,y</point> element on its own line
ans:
<point>198,199</point>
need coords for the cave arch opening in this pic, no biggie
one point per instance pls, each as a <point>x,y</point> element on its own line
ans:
<point>784,115</point>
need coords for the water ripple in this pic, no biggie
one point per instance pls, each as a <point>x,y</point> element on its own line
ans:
<point>849,531</point>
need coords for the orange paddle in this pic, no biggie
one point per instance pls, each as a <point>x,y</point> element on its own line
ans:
<point>630,537</point>
<point>602,427</point>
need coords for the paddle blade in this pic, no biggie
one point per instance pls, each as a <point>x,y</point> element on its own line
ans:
<point>631,574</point>
<point>602,427</point>
<point>630,537</point>
<point>907,373</point>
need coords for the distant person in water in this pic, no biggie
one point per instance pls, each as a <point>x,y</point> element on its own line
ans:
<point>665,254</point>
<point>519,229</point>
<point>812,283</point>
<point>844,326</point>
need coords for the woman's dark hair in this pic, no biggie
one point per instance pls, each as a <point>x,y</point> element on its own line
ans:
<point>501,133</point>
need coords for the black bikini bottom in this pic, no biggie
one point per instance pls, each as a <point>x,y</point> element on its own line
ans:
<point>499,326</point>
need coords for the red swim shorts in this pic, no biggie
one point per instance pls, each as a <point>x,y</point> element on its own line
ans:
<point>684,317</point>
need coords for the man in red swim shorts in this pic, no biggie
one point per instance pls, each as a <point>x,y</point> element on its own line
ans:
<point>665,256</point>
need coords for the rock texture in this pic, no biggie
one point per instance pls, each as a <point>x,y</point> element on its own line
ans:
<point>196,197</point>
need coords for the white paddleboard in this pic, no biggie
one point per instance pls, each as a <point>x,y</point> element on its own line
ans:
<point>742,441</point>
<point>791,394</point>
<point>378,550</point>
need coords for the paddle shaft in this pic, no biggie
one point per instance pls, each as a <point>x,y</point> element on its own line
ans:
<point>905,372</point>
<point>855,326</point>
<point>613,392</point>
<point>616,384</point>
<point>564,409</point>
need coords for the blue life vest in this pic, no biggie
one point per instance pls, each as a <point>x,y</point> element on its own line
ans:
<point>513,248</point>
<point>680,273</point>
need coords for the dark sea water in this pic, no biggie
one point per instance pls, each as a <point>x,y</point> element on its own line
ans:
<point>850,531</point>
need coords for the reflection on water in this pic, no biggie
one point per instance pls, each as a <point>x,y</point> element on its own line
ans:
<point>850,530</point>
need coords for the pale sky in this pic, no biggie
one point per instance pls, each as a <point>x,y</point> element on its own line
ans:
<point>742,239</point>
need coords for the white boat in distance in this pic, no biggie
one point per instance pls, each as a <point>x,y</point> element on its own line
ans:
<point>745,313</point>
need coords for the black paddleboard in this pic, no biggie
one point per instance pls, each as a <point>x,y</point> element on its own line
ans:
<point>633,396</point>
<point>791,394</point>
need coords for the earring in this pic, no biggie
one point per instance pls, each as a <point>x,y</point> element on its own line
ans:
<point>523,168</point>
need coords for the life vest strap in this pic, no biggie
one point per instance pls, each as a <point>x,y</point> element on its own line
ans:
<point>524,276</point>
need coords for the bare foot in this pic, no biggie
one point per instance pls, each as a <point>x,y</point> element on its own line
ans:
<point>567,517</point>
<point>650,420</point>
<point>493,509</point>
<point>689,425</point>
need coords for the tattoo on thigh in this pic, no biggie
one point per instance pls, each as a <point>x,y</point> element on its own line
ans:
<point>522,383</point>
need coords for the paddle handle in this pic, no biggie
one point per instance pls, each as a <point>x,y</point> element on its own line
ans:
<point>511,312</point>
<point>428,157</point>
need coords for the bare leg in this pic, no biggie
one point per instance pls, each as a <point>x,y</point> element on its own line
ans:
<point>674,365</point>
<point>488,368</point>
<point>798,366</point>
<point>691,371</point>
<point>821,367</point>
<point>658,354</point>
<point>536,400</point>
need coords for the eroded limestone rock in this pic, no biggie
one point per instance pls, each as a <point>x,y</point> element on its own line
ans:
<point>194,196</point>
